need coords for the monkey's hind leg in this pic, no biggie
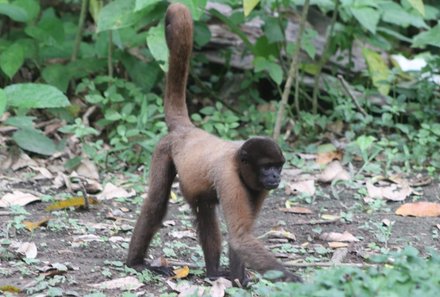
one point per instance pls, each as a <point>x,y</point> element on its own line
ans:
<point>154,208</point>
<point>209,236</point>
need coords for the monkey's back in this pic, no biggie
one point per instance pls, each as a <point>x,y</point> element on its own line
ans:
<point>194,152</point>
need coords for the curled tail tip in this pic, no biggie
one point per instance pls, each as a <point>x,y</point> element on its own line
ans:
<point>179,27</point>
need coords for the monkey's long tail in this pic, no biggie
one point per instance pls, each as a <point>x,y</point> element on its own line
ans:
<point>179,37</point>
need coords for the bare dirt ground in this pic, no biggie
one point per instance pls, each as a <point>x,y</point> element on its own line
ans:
<point>91,245</point>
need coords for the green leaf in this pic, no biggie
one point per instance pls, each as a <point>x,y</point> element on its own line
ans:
<point>118,14</point>
<point>197,7</point>
<point>57,75</point>
<point>32,8</point>
<point>394,13</point>
<point>365,142</point>
<point>34,141</point>
<point>158,46</point>
<point>95,7</point>
<point>368,17</point>
<point>14,12</point>
<point>30,95</point>
<point>418,5</point>
<point>430,37</point>
<point>141,4</point>
<point>2,102</point>
<point>11,59</point>
<point>24,122</point>
<point>202,35</point>
<point>249,5</point>
<point>275,71</point>
<point>112,115</point>
<point>378,70</point>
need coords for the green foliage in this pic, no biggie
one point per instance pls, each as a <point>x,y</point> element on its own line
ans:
<point>132,120</point>
<point>404,273</point>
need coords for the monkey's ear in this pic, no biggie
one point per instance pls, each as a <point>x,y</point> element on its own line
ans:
<point>244,156</point>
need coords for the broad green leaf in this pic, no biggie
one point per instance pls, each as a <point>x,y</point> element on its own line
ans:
<point>32,8</point>
<point>378,70</point>
<point>249,5</point>
<point>2,102</point>
<point>57,75</point>
<point>30,95</point>
<point>141,4</point>
<point>365,142</point>
<point>95,7</point>
<point>23,122</point>
<point>34,141</point>
<point>430,37</point>
<point>118,14</point>
<point>14,12</point>
<point>368,17</point>
<point>394,13</point>
<point>11,59</point>
<point>158,46</point>
<point>202,35</point>
<point>418,5</point>
<point>275,71</point>
<point>197,7</point>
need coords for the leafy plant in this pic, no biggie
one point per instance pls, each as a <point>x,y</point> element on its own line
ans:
<point>406,273</point>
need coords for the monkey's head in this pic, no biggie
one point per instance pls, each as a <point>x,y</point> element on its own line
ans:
<point>260,162</point>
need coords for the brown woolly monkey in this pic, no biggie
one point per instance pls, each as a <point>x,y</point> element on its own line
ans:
<point>212,171</point>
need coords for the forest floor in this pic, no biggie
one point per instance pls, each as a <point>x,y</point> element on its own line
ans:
<point>72,252</point>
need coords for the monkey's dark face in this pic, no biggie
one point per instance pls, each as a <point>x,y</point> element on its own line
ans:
<point>261,161</point>
<point>270,176</point>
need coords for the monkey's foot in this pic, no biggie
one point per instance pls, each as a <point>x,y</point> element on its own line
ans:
<point>163,270</point>
<point>291,277</point>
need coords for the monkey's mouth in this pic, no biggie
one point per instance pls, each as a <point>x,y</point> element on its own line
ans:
<point>271,186</point>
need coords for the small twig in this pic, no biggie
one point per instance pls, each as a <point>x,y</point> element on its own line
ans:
<point>79,32</point>
<point>324,58</point>
<point>347,90</point>
<point>110,54</point>
<point>314,222</point>
<point>86,115</point>
<point>292,73</point>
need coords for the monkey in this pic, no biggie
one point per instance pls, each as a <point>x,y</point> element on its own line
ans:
<point>236,175</point>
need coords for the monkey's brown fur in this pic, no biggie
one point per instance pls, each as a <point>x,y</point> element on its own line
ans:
<point>237,175</point>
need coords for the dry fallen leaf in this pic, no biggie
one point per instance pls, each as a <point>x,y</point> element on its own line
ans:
<point>181,272</point>
<point>280,233</point>
<point>335,236</point>
<point>399,190</point>
<point>31,226</point>
<point>71,202</point>
<point>186,289</point>
<point>333,171</point>
<point>185,233</point>
<point>337,244</point>
<point>419,209</point>
<point>125,284</point>
<point>219,286</point>
<point>111,191</point>
<point>330,217</point>
<point>17,198</point>
<point>297,209</point>
<point>304,186</point>
<point>27,249</point>
<point>87,169</point>
<point>327,157</point>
